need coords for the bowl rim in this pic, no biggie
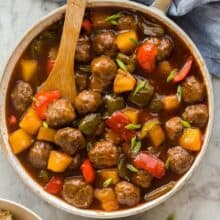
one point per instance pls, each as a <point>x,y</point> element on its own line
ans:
<point>21,207</point>
<point>24,42</point>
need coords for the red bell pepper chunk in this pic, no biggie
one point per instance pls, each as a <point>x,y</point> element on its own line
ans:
<point>88,171</point>
<point>42,100</point>
<point>184,71</point>
<point>87,26</point>
<point>12,120</point>
<point>117,123</point>
<point>55,185</point>
<point>50,65</point>
<point>151,164</point>
<point>146,56</point>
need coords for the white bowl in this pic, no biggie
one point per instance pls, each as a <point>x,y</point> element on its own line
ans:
<point>18,211</point>
<point>31,34</point>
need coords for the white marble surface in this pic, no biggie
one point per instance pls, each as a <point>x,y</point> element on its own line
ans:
<point>198,200</point>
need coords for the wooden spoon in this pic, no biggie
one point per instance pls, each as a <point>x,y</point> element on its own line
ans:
<point>62,75</point>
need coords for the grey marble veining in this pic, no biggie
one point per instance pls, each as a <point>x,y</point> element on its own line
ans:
<point>198,200</point>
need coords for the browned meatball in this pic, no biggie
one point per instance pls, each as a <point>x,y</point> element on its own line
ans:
<point>83,50</point>
<point>70,140</point>
<point>193,90</point>
<point>88,101</point>
<point>81,80</point>
<point>142,179</point>
<point>104,154</point>
<point>174,128</point>
<point>180,160</point>
<point>39,154</point>
<point>77,192</point>
<point>60,113</point>
<point>21,96</point>
<point>127,193</point>
<point>105,43</point>
<point>104,68</point>
<point>76,162</point>
<point>164,45</point>
<point>197,115</point>
<point>127,22</point>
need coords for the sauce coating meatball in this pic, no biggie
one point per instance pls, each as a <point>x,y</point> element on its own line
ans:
<point>104,154</point>
<point>70,140</point>
<point>180,159</point>
<point>88,102</point>
<point>39,154</point>
<point>21,96</point>
<point>77,192</point>
<point>127,193</point>
<point>105,43</point>
<point>60,113</point>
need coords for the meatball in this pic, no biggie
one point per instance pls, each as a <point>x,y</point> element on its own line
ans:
<point>39,154</point>
<point>21,96</point>
<point>76,162</point>
<point>174,128</point>
<point>127,193</point>
<point>164,45</point>
<point>196,115</point>
<point>142,179</point>
<point>83,50</point>
<point>104,68</point>
<point>77,192</point>
<point>60,113</point>
<point>180,159</point>
<point>193,90</point>
<point>127,22</point>
<point>70,140</point>
<point>105,43</point>
<point>104,154</point>
<point>81,81</point>
<point>87,102</point>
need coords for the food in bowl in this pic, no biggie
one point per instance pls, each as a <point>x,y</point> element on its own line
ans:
<point>137,122</point>
<point>5,215</point>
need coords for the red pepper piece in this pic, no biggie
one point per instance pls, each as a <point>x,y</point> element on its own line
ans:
<point>88,171</point>
<point>50,65</point>
<point>42,100</point>
<point>12,120</point>
<point>117,123</point>
<point>87,26</point>
<point>55,185</point>
<point>151,164</point>
<point>184,71</point>
<point>146,56</point>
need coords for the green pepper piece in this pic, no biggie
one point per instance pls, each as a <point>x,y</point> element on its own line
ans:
<point>142,97</point>
<point>114,103</point>
<point>156,104</point>
<point>89,124</point>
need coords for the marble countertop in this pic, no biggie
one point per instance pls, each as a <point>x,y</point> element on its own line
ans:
<point>198,200</point>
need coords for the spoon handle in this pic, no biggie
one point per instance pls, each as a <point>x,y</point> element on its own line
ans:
<point>71,30</point>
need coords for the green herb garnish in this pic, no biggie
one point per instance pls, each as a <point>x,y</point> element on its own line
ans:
<point>88,146</point>
<point>170,217</point>
<point>185,124</point>
<point>139,87</point>
<point>114,17</point>
<point>135,150</point>
<point>133,142</point>
<point>133,126</point>
<point>179,93</point>
<point>134,41</point>
<point>45,124</point>
<point>171,75</point>
<point>132,168</point>
<point>43,175</point>
<point>107,182</point>
<point>121,65</point>
<point>167,163</point>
